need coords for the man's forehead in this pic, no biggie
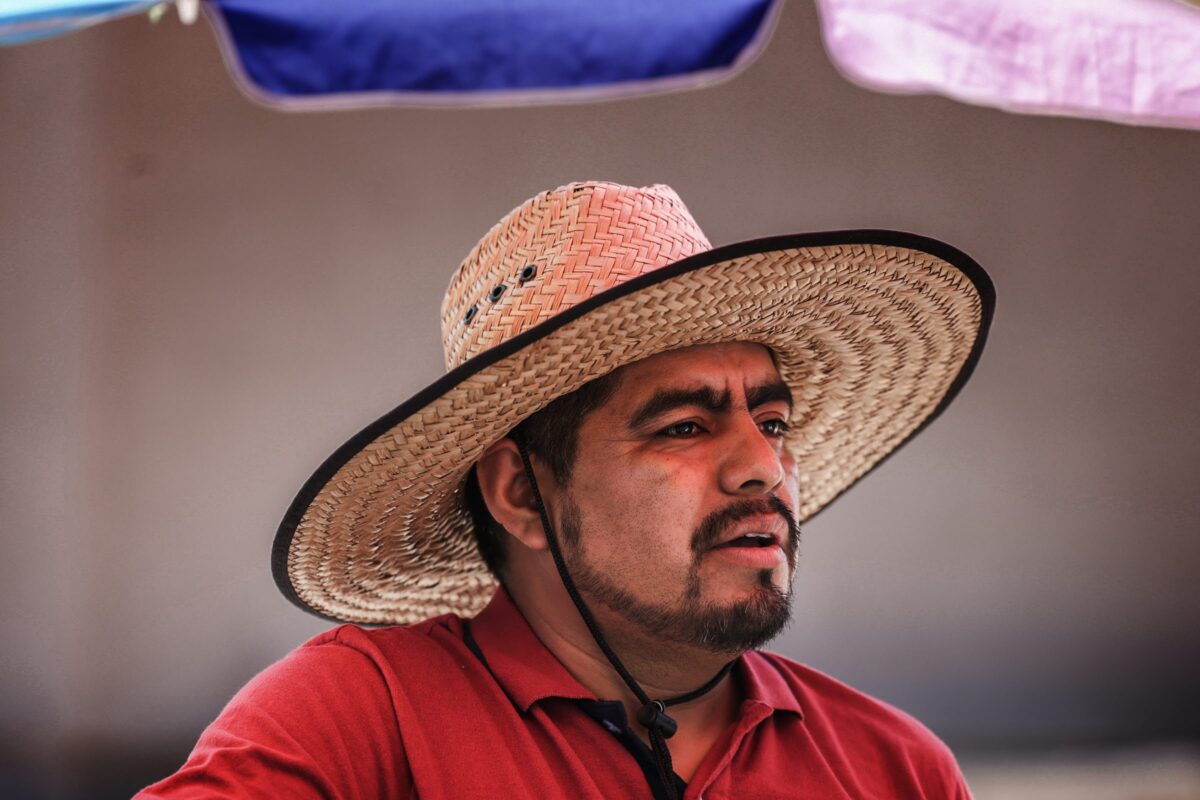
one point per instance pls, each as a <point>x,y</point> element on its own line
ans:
<point>718,366</point>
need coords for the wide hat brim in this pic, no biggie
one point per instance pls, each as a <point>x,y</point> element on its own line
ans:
<point>875,332</point>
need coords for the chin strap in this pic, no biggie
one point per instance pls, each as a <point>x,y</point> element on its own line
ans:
<point>653,713</point>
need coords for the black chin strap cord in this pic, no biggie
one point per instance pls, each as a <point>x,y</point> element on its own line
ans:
<point>653,713</point>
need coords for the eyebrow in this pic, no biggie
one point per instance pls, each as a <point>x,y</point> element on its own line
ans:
<point>775,391</point>
<point>709,399</point>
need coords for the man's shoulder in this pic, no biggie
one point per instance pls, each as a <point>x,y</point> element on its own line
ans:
<point>384,649</point>
<point>838,709</point>
<point>348,668</point>
<point>329,713</point>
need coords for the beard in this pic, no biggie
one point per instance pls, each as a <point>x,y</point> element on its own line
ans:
<point>731,628</point>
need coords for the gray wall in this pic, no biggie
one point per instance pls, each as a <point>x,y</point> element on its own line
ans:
<point>201,298</point>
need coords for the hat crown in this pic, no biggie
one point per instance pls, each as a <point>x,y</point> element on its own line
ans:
<point>558,249</point>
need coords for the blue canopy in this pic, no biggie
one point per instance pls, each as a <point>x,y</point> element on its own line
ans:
<point>319,53</point>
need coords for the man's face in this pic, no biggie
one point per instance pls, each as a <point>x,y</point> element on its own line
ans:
<point>679,515</point>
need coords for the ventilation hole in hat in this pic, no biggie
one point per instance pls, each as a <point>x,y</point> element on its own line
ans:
<point>527,273</point>
<point>470,315</point>
<point>494,294</point>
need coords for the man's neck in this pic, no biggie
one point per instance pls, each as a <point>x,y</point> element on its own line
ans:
<point>663,670</point>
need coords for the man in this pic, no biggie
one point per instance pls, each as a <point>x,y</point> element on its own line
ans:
<point>632,426</point>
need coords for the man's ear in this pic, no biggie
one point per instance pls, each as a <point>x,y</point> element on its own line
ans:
<point>508,494</point>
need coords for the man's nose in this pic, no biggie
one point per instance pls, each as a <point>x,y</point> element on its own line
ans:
<point>751,463</point>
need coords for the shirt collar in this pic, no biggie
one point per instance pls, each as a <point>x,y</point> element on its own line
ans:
<point>763,683</point>
<point>528,672</point>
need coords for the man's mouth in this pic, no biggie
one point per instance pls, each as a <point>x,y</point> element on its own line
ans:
<point>757,531</point>
<point>750,540</point>
<point>752,549</point>
<point>754,534</point>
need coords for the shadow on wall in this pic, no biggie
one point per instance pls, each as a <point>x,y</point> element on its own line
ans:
<point>87,771</point>
<point>102,772</point>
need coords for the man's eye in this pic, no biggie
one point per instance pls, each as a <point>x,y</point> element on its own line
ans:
<point>775,427</point>
<point>681,430</point>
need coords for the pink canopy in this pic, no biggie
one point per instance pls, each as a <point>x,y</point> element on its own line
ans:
<point>1132,61</point>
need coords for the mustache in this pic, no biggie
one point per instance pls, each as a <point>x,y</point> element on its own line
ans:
<point>708,532</point>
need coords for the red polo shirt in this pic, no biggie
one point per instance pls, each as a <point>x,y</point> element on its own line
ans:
<point>454,709</point>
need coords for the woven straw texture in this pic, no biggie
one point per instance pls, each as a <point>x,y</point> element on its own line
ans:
<point>869,337</point>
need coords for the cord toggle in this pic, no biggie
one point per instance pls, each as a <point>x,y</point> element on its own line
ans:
<point>653,716</point>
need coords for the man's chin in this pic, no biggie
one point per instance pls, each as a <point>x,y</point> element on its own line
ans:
<point>745,623</point>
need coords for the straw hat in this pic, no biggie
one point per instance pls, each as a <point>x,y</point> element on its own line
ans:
<point>874,331</point>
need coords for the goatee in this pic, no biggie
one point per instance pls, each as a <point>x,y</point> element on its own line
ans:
<point>727,629</point>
